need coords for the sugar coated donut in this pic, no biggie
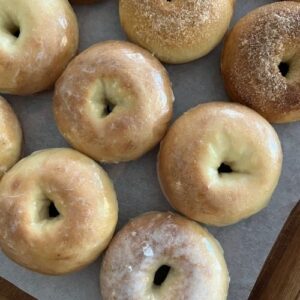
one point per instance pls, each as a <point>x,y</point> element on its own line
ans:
<point>219,163</point>
<point>58,211</point>
<point>37,40</point>
<point>10,137</point>
<point>164,256</point>
<point>176,31</point>
<point>261,61</point>
<point>113,102</point>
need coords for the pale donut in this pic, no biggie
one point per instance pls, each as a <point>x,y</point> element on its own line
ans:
<point>10,137</point>
<point>261,61</point>
<point>164,256</point>
<point>37,40</point>
<point>113,102</point>
<point>201,149</point>
<point>31,232</point>
<point>176,31</point>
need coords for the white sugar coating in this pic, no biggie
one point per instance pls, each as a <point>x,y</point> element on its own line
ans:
<point>257,45</point>
<point>198,270</point>
<point>174,21</point>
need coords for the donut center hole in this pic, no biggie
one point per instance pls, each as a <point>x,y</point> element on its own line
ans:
<point>14,30</point>
<point>52,211</point>
<point>161,275</point>
<point>108,107</point>
<point>224,168</point>
<point>284,68</point>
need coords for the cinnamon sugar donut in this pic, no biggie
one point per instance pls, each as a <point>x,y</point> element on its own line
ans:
<point>164,256</point>
<point>176,31</point>
<point>58,211</point>
<point>219,163</point>
<point>10,137</point>
<point>261,61</point>
<point>37,40</point>
<point>113,102</point>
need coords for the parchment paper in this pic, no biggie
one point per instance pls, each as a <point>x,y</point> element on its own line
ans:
<point>245,244</point>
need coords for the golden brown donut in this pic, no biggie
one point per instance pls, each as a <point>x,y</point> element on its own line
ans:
<point>261,61</point>
<point>176,31</point>
<point>164,256</point>
<point>37,40</point>
<point>219,163</point>
<point>58,211</point>
<point>113,102</point>
<point>10,137</point>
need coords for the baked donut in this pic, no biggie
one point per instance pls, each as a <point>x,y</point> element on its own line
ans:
<point>37,40</point>
<point>113,102</point>
<point>219,163</point>
<point>10,137</point>
<point>176,31</point>
<point>58,211</point>
<point>164,256</point>
<point>261,61</point>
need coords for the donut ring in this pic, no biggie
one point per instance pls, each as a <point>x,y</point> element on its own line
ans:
<point>176,31</point>
<point>164,256</point>
<point>37,40</point>
<point>113,102</point>
<point>10,137</point>
<point>65,233</point>
<point>261,61</point>
<point>219,163</point>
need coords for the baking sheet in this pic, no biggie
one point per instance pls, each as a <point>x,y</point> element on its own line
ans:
<point>246,244</point>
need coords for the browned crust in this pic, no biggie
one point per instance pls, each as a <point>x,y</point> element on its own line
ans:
<point>133,78</point>
<point>194,148</point>
<point>255,47</point>
<point>10,137</point>
<point>82,193</point>
<point>48,40</point>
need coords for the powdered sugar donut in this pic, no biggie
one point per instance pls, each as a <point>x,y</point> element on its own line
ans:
<point>164,256</point>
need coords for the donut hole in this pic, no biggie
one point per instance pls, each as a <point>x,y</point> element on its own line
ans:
<point>13,29</point>
<point>16,32</point>
<point>224,168</point>
<point>161,275</point>
<point>284,68</point>
<point>108,107</point>
<point>52,210</point>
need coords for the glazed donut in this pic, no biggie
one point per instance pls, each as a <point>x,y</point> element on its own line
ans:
<point>10,137</point>
<point>113,102</point>
<point>58,211</point>
<point>37,40</point>
<point>261,61</point>
<point>176,31</point>
<point>219,163</point>
<point>164,256</point>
